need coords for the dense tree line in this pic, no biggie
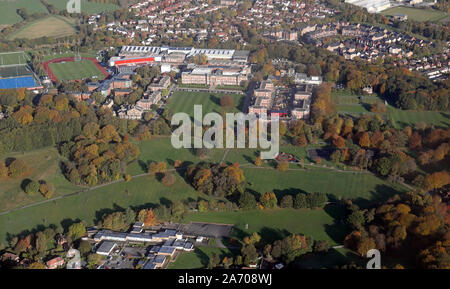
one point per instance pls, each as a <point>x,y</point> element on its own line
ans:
<point>412,224</point>
<point>216,179</point>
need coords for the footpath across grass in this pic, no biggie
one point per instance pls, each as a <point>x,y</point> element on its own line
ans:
<point>90,206</point>
<point>44,165</point>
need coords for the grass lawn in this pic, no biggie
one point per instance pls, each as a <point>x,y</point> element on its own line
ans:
<point>334,257</point>
<point>89,206</point>
<point>321,224</point>
<point>349,103</point>
<point>52,26</point>
<point>89,7</point>
<point>182,101</point>
<point>44,164</point>
<point>75,70</point>
<point>402,118</point>
<point>161,149</point>
<point>8,58</point>
<point>8,14</point>
<point>417,14</point>
<point>362,188</point>
<point>199,258</point>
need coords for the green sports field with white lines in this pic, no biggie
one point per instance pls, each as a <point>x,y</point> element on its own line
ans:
<point>11,58</point>
<point>182,101</point>
<point>75,70</point>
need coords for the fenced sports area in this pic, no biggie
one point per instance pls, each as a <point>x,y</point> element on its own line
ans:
<point>66,68</point>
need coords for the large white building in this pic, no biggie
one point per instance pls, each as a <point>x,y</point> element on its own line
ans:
<point>372,6</point>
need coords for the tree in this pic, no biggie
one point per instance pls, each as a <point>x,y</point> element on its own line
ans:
<point>76,231</point>
<point>93,260</point>
<point>282,166</point>
<point>17,168</point>
<point>168,180</point>
<point>130,215</point>
<point>156,168</point>
<point>226,101</point>
<point>177,210</point>
<point>253,239</point>
<point>141,215</point>
<point>40,242</point>
<point>249,253</point>
<point>436,180</point>
<point>258,161</point>
<point>32,188</point>
<point>203,206</point>
<point>287,202</point>
<point>37,265</point>
<point>268,200</point>
<point>3,170</point>
<point>300,201</point>
<point>150,218</point>
<point>356,219</point>
<point>364,245</point>
<point>300,140</point>
<point>84,247</point>
<point>91,129</point>
<point>321,246</point>
<point>316,200</point>
<point>247,201</point>
<point>339,142</point>
<point>364,140</point>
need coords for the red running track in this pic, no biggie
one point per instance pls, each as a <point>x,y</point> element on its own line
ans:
<point>52,76</point>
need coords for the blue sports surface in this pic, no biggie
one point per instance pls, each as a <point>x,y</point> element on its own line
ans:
<point>17,82</point>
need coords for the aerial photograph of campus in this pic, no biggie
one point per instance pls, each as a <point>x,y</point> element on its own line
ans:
<point>271,135</point>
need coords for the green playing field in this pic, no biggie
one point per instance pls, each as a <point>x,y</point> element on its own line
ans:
<point>75,70</point>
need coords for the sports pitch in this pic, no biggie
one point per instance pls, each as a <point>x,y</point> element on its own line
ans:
<point>418,14</point>
<point>76,70</point>
<point>11,58</point>
<point>184,102</point>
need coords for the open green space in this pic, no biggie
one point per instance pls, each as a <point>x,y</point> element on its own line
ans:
<point>199,258</point>
<point>8,11</point>
<point>51,26</point>
<point>320,224</point>
<point>86,6</point>
<point>9,16</point>
<point>418,14</point>
<point>90,205</point>
<point>44,165</point>
<point>402,118</point>
<point>161,149</point>
<point>182,101</point>
<point>347,103</point>
<point>76,70</point>
<point>334,257</point>
<point>362,188</point>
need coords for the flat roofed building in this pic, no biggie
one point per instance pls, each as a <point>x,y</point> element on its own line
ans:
<point>166,250</point>
<point>106,248</point>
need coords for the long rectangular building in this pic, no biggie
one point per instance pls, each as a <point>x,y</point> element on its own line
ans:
<point>135,55</point>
